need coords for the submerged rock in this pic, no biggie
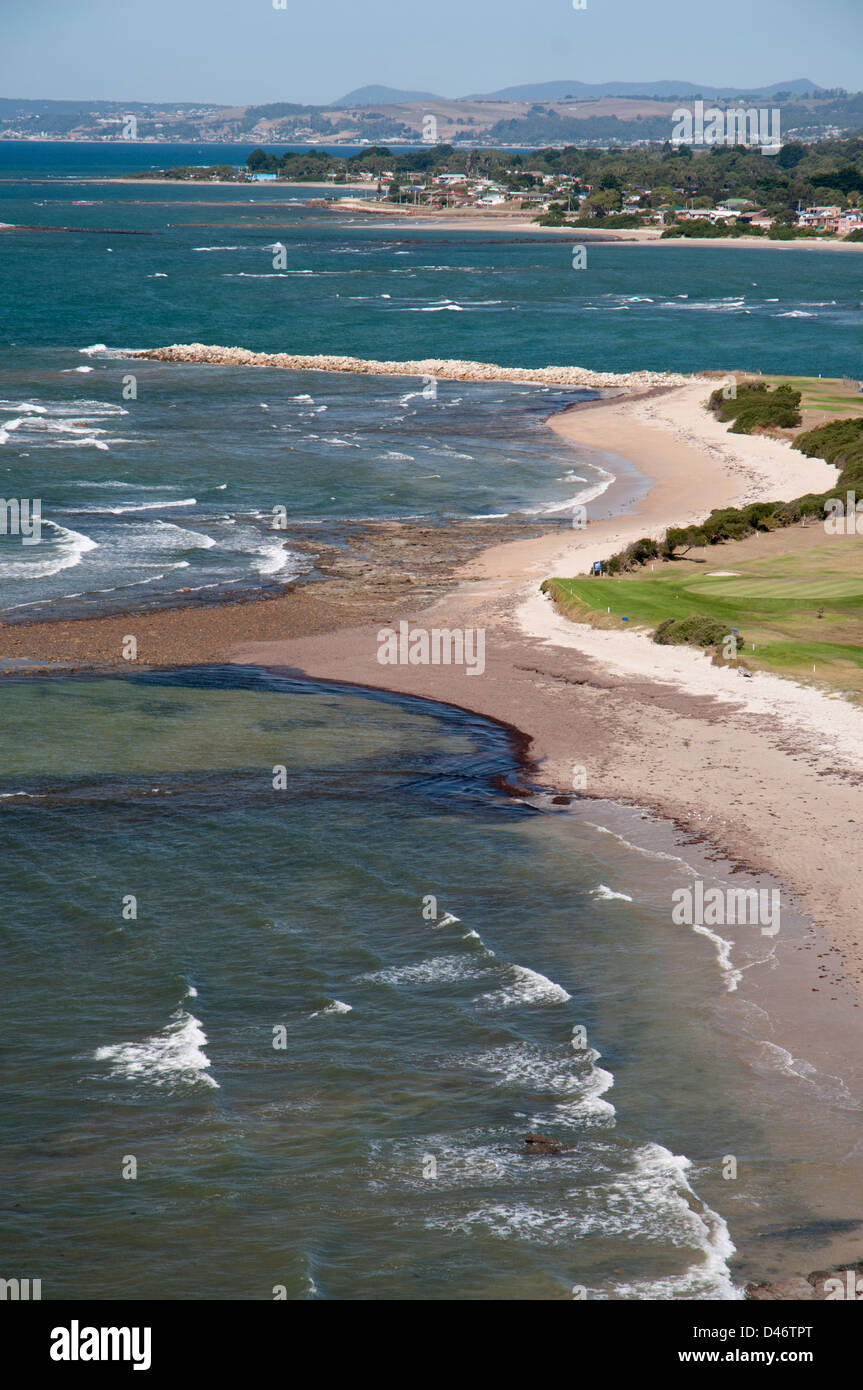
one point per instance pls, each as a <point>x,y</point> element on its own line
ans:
<point>543,1144</point>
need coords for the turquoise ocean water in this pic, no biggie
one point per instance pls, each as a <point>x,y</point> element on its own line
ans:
<point>157,478</point>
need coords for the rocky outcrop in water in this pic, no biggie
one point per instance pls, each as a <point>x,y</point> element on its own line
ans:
<point>543,1144</point>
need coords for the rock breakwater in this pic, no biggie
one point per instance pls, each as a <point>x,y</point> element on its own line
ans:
<point>440,368</point>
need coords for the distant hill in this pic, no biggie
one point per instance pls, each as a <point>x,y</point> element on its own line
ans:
<point>382,96</point>
<point>551,91</point>
<point>602,113</point>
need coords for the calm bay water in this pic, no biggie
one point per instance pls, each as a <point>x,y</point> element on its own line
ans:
<point>372,1149</point>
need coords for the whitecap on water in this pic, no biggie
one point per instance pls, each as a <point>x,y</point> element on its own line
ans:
<point>434,970</point>
<point>608,893</point>
<point>652,1202</point>
<point>524,986</point>
<point>61,550</point>
<point>173,1057</point>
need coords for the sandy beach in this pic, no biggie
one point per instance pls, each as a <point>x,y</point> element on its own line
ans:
<point>509,219</point>
<point>767,770</point>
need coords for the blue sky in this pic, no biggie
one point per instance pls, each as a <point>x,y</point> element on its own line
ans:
<point>246,51</point>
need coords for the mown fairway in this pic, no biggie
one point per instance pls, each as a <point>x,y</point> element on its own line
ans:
<point>822,398</point>
<point>799,607</point>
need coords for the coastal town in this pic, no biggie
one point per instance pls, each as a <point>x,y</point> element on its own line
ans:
<point>555,199</point>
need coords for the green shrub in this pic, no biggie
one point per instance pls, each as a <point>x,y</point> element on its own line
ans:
<point>703,227</point>
<point>754,406</point>
<point>810,505</point>
<point>682,537</point>
<point>784,233</point>
<point>828,441</point>
<point>760,514</point>
<point>642,550</point>
<point>612,221</point>
<point>726,524</point>
<point>694,631</point>
<point>759,415</point>
<point>726,407</point>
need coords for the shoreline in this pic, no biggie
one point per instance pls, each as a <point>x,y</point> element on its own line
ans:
<point>659,433</point>
<point>500,590</point>
<point>657,730</point>
<point>444,219</point>
<point>477,219</point>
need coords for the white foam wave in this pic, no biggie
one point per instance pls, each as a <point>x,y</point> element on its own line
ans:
<point>270,274</point>
<point>273,558</point>
<point>574,1076</point>
<point>640,849</point>
<point>525,987</point>
<point>174,1056</point>
<point>114,482</point>
<point>446,921</point>
<point>827,1087</point>
<point>62,551</point>
<point>661,1181</point>
<point>182,537</point>
<point>135,507</point>
<point>730,975</point>
<point>434,970</point>
<point>109,353</point>
<point>587,494</point>
<point>335,1007</point>
<point>608,893</point>
<point>654,1202</point>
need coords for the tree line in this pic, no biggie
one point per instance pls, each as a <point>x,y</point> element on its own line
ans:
<point>827,173</point>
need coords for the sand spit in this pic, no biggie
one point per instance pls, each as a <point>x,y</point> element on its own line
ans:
<point>444,368</point>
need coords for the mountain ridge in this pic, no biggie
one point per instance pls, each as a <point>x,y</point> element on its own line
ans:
<point>376,95</point>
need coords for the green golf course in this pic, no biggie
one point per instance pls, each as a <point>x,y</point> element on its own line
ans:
<point>795,598</point>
